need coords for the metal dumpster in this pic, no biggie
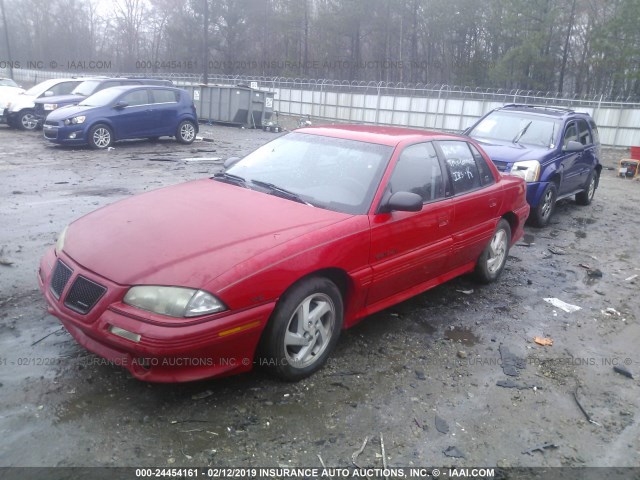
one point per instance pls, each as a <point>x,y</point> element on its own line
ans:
<point>232,104</point>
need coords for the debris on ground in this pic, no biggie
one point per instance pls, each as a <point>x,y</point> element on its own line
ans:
<point>441,425</point>
<point>584,412</point>
<point>511,364</point>
<point>4,261</point>
<point>357,453</point>
<point>512,384</point>
<point>540,448</point>
<point>546,342</point>
<point>557,251</point>
<point>611,311</point>
<point>632,277</point>
<point>453,452</point>
<point>469,292</point>
<point>567,307</point>
<point>622,371</point>
<point>200,396</point>
<point>594,273</point>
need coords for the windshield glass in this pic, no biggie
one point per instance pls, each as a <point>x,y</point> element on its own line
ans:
<point>86,88</point>
<point>103,97</point>
<point>7,82</point>
<point>517,127</point>
<point>327,172</point>
<point>40,88</point>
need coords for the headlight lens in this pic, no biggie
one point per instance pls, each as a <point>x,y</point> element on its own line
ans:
<point>528,169</point>
<point>50,106</point>
<point>176,302</point>
<point>75,120</point>
<point>61,238</point>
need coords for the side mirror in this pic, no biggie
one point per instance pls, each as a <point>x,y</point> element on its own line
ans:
<point>402,202</point>
<point>231,161</point>
<point>573,146</point>
<point>120,105</point>
<point>48,93</point>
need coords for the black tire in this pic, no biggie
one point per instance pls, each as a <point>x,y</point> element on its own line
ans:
<point>186,132</point>
<point>586,196</point>
<point>100,137</point>
<point>540,215</point>
<point>26,120</point>
<point>291,346</point>
<point>494,257</point>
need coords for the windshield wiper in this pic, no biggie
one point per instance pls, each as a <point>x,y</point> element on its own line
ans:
<point>279,191</point>
<point>230,178</point>
<point>521,132</point>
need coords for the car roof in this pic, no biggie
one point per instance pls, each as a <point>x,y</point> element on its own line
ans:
<point>548,110</point>
<point>125,88</point>
<point>383,135</point>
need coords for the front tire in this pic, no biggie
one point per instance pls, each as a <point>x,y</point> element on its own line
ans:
<point>541,215</point>
<point>100,137</point>
<point>494,257</point>
<point>586,196</point>
<point>27,120</point>
<point>186,132</point>
<point>303,329</point>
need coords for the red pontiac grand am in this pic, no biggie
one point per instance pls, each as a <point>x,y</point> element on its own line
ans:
<point>268,262</point>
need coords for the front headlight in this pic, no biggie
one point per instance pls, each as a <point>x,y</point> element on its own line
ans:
<point>179,302</point>
<point>75,120</point>
<point>50,106</point>
<point>528,169</point>
<point>61,238</point>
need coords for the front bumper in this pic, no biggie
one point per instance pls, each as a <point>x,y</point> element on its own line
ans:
<point>64,135</point>
<point>166,350</point>
<point>534,192</point>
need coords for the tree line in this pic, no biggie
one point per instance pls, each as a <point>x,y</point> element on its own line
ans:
<point>576,47</point>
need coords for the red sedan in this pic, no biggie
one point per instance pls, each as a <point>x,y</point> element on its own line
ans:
<point>268,262</point>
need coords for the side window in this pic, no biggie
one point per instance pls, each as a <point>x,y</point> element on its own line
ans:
<point>64,88</point>
<point>418,171</point>
<point>462,166</point>
<point>584,134</point>
<point>164,96</point>
<point>571,133</point>
<point>137,97</point>
<point>486,176</point>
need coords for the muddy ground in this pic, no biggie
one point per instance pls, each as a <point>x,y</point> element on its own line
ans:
<point>435,355</point>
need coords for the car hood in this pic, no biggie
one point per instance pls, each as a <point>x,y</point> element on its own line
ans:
<point>64,99</point>
<point>508,152</point>
<point>69,111</point>
<point>188,234</point>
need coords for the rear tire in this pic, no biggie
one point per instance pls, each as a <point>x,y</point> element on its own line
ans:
<point>303,329</point>
<point>186,132</point>
<point>586,196</point>
<point>494,257</point>
<point>541,214</point>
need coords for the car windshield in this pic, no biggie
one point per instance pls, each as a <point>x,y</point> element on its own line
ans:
<point>7,82</point>
<point>517,127</point>
<point>86,88</point>
<point>327,172</point>
<point>40,88</point>
<point>103,97</point>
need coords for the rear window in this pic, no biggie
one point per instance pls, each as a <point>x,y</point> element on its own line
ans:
<point>165,96</point>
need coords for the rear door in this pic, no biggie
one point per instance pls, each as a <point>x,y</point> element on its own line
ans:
<point>476,200</point>
<point>411,248</point>
<point>570,161</point>
<point>165,106</point>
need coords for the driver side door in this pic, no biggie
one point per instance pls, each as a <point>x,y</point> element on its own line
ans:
<point>408,249</point>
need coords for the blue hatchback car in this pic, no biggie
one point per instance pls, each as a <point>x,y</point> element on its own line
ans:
<point>118,113</point>
<point>556,150</point>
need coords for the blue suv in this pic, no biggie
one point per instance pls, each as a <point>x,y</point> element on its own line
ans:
<point>120,113</point>
<point>556,150</point>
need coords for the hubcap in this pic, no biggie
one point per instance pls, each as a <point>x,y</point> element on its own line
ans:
<point>29,121</point>
<point>101,137</point>
<point>547,204</point>
<point>309,330</point>
<point>187,132</point>
<point>592,188</point>
<point>497,251</point>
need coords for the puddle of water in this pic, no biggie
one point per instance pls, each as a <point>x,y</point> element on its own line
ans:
<point>580,234</point>
<point>462,335</point>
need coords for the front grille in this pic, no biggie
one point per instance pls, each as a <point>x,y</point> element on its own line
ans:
<point>39,110</point>
<point>83,295</point>
<point>59,279</point>
<point>50,133</point>
<point>51,123</point>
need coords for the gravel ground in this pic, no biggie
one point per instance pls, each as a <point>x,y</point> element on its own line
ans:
<point>436,356</point>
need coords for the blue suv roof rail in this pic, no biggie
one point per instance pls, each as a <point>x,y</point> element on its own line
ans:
<point>545,107</point>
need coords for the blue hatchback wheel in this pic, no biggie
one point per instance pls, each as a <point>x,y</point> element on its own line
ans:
<point>186,132</point>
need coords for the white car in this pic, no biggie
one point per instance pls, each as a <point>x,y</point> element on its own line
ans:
<point>18,109</point>
<point>8,89</point>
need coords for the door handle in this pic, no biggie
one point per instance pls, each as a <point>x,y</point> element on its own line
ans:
<point>492,203</point>
<point>443,221</point>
